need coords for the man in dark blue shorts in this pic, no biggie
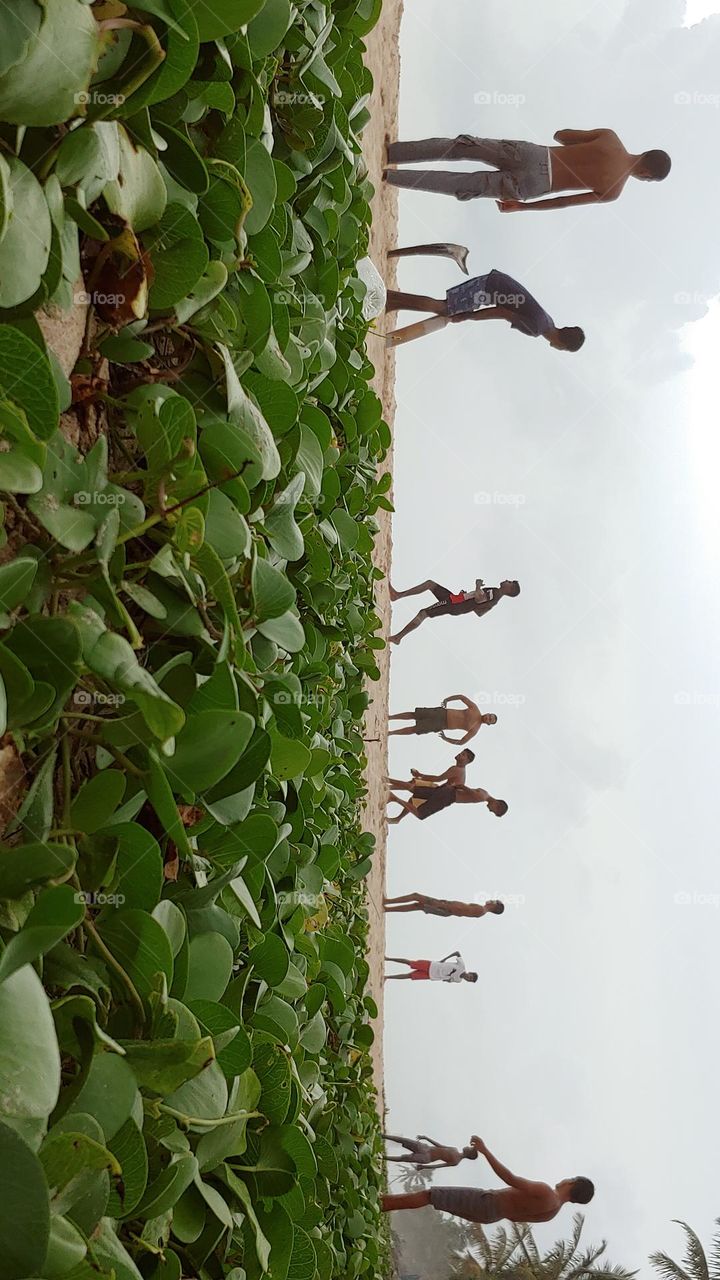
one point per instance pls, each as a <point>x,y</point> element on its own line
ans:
<point>494,296</point>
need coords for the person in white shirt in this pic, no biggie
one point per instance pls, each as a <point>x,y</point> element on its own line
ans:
<point>450,969</point>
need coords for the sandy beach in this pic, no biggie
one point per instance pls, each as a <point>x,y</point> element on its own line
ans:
<point>383,58</point>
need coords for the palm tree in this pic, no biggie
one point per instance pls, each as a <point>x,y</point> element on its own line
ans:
<point>514,1255</point>
<point>695,1263</point>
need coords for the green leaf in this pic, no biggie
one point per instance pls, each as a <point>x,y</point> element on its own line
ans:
<point>48,85</point>
<point>262,1244</point>
<point>285,631</point>
<point>162,1066</point>
<point>30,865</point>
<point>270,960</point>
<point>55,913</point>
<point>24,1208</point>
<point>19,24</point>
<point>139,194</point>
<point>211,283</point>
<point>66,1248</point>
<point>140,945</point>
<point>289,758</point>
<point>167,1187</point>
<point>272,593</point>
<point>208,747</point>
<point>25,375</point>
<point>242,411</point>
<point>179,256</point>
<point>16,579</point>
<point>109,1094</point>
<point>280,525</point>
<point>266,31</point>
<point>222,17</point>
<point>29,1056</point>
<point>65,1156</point>
<point>18,473</point>
<point>210,967</point>
<point>97,800</point>
<point>128,1147</point>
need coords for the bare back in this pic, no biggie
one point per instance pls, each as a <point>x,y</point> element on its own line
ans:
<point>599,163</point>
<point>537,1202</point>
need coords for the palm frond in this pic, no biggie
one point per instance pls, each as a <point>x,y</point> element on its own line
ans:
<point>668,1268</point>
<point>695,1258</point>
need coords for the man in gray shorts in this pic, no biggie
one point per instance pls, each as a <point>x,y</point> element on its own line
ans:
<point>521,1200</point>
<point>520,170</point>
<point>593,164</point>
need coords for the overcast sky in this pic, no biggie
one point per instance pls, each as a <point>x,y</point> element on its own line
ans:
<point>591,1043</point>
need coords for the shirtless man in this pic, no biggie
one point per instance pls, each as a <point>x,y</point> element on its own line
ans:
<point>426,801</point>
<point>469,720</point>
<point>444,907</point>
<point>591,163</point>
<point>520,1201</point>
<point>451,604</point>
<point>450,969</point>
<point>420,782</point>
<point>429,1154</point>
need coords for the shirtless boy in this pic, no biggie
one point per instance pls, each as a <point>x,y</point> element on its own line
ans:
<point>443,907</point>
<point>420,783</point>
<point>468,720</point>
<point>593,164</point>
<point>519,1201</point>
<point>429,1154</point>
<point>425,801</point>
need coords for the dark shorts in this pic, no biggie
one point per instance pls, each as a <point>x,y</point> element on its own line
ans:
<point>430,719</point>
<point>431,909</point>
<point>470,1203</point>
<point>438,799</point>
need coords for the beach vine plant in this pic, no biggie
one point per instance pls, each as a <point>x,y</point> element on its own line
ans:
<point>187,628</point>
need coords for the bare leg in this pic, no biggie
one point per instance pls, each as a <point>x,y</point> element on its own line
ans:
<point>411,626</point>
<point>398,301</point>
<point>404,786</point>
<point>398,977</point>
<point>407,906</point>
<point>397,960</point>
<point>406,1200</point>
<point>438,591</point>
<point>401,733</point>
<point>406,897</point>
<point>403,715</point>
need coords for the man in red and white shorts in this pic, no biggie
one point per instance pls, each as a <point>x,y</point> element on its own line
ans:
<point>450,969</point>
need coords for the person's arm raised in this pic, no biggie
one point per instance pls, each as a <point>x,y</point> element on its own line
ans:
<point>453,955</point>
<point>556,202</point>
<point>566,137</point>
<point>485,313</point>
<point>510,1179</point>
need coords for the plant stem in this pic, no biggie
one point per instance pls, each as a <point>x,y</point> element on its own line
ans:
<point>115,965</point>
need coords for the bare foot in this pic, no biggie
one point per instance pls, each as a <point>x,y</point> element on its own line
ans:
<point>393,640</point>
<point>394,595</point>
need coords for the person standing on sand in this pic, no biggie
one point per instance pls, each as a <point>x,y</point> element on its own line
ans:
<point>449,604</point>
<point>469,720</point>
<point>443,907</point>
<point>450,969</point>
<point>593,164</point>
<point>426,801</point>
<point>428,1153</point>
<point>494,296</point>
<point>455,775</point>
<point>519,1201</point>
